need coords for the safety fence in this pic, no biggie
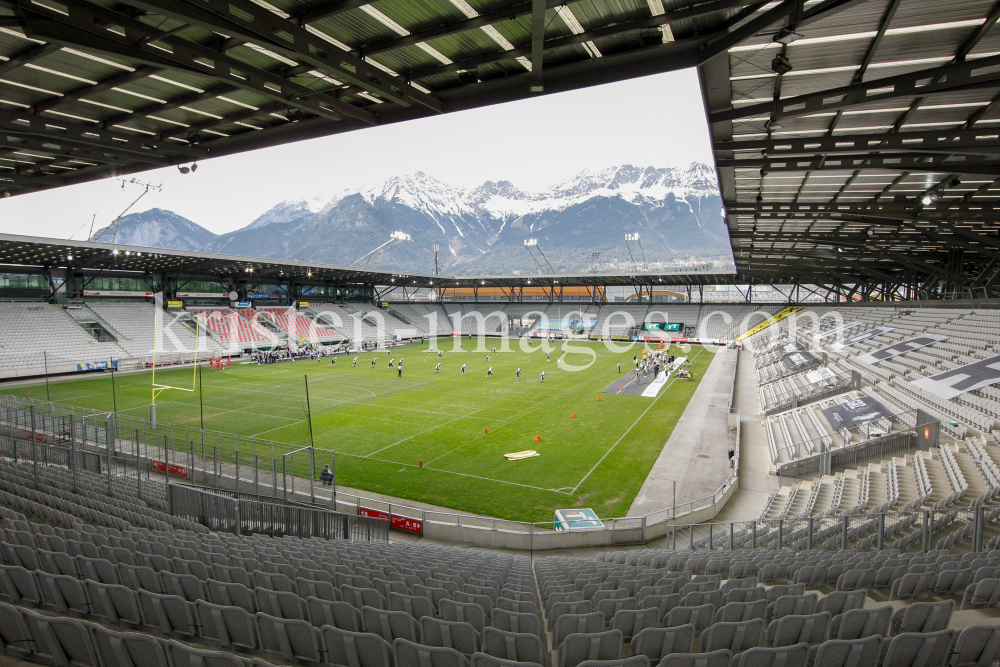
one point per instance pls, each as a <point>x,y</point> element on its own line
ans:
<point>830,460</point>
<point>247,514</point>
<point>970,528</point>
<point>262,486</point>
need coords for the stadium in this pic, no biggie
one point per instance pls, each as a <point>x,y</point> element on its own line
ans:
<point>213,459</point>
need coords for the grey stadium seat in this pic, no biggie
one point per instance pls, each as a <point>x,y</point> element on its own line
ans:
<point>180,655</point>
<point>849,652</point>
<point>232,627</point>
<point>656,643</point>
<point>514,622</point>
<point>484,660</point>
<point>409,653</point>
<point>861,623</point>
<point>923,649</point>
<point>451,634</point>
<point>723,658</point>
<point>577,648</point>
<point>569,624</point>
<point>62,642</point>
<point>521,646</point>
<point>356,649</point>
<point>977,646</point>
<point>127,649</point>
<point>293,639</point>
<point>735,636</point>
<point>337,613</point>
<point>786,656</point>
<point>391,625</point>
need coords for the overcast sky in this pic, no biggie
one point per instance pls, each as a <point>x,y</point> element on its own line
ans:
<point>653,121</point>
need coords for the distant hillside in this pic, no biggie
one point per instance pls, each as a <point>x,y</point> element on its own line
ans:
<point>676,212</point>
<point>157,228</point>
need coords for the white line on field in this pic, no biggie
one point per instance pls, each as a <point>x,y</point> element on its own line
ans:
<point>661,394</point>
<point>420,433</point>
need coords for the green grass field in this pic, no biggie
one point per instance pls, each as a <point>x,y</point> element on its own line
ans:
<point>382,426</point>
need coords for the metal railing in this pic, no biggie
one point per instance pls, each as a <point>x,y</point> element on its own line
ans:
<point>972,528</point>
<point>247,514</point>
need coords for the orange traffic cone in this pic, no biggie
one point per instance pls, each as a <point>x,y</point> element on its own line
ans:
<point>574,414</point>
<point>538,438</point>
<point>598,398</point>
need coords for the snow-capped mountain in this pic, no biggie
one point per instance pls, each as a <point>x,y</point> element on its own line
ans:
<point>677,213</point>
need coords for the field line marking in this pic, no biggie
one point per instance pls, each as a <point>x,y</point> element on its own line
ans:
<point>661,394</point>
<point>420,433</point>
<point>277,428</point>
<point>460,474</point>
<point>562,392</point>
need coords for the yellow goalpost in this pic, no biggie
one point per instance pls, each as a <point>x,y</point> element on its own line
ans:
<point>157,389</point>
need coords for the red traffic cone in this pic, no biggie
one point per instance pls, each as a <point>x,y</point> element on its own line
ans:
<point>538,438</point>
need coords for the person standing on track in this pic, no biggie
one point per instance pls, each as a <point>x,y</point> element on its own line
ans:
<point>619,368</point>
<point>463,369</point>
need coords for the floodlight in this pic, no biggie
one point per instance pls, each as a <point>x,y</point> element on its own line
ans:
<point>400,236</point>
<point>183,170</point>
<point>194,167</point>
<point>632,237</point>
<point>115,251</point>
<point>69,258</point>
<point>530,242</point>
<point>871,232</point>
<point>927,199</point>
<point>781,64</point>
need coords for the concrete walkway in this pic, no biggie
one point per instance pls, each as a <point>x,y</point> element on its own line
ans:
<point>756,483</point>
<point>697,453</point>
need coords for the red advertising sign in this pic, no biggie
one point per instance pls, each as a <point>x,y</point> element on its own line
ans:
<point>179,471</point>
<point>40,437</point>
<point>396,521</point>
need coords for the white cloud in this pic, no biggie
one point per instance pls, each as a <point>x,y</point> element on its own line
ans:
<point>656,121</point>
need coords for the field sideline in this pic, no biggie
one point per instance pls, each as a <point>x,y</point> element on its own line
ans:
<point>383,426</point>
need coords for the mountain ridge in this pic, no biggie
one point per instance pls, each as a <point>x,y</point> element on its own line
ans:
<point>480,229</point>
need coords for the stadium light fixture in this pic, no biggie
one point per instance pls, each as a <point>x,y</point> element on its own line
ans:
<point>927,199</point>
<point>632,237</point>
<point>69,258</point>
<point>400,236</point>
<point>530,242</point>
<point>115,251</point>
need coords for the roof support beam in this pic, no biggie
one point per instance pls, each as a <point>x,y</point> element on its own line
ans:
<point>969,142</point>
<point>537,44</point>
<point>247,114</point>
<point>24,57</point>
<point>258,25</point>
<point>964,76</point>
<point>327,9</point>
<point>935,162</point>
<point>489,18</point>
<point>86,25</point>
<point>107,84</point>
<point>138,149</point>
<point>969,211</point>
<point>590,35</point>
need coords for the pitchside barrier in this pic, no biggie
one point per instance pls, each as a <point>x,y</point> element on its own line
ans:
<point>50,434</point>
<point>140,453</point>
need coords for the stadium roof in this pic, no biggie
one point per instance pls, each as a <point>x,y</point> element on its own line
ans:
<point>29,254</point>
<point>92,88</point>
<point>862,146</point>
